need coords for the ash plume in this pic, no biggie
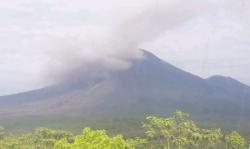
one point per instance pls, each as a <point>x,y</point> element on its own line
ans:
<point>100,48</point>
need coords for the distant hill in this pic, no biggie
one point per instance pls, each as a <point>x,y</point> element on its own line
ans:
<point>149,86</point>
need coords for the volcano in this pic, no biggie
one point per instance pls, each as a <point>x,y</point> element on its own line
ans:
<point>150,86</point>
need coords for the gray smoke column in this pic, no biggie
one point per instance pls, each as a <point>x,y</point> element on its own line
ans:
<point>113,47</point>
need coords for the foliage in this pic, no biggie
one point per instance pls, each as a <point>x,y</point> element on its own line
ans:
<point>42,138</point>
<point>175,132</point>
<point>94,140</point>
<point>180,132</point>
<point>138,143</point>
<point>235,141</point>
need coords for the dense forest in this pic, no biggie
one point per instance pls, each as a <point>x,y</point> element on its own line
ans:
<point>175,132</point>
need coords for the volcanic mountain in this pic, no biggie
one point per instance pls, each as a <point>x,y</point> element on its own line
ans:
<point>149,86</point>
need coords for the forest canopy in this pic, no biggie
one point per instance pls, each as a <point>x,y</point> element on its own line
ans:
<point>175,132</point>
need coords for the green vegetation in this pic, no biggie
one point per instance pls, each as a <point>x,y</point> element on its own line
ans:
<point>42,138</point>
<point>93,140</point>
<point>235,141</point>
<point>175,132</point>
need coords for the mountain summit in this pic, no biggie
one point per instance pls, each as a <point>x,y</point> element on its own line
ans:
<point>149,86</point>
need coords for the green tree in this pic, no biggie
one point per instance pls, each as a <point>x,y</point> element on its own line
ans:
<point>94,140</point>
<point>138,143</point>
<point>175,132</point>
<point>43,138</point>
<point>159,131</point>
<point>235,141</point>
<point>210,138</point>
<point>178,132</point>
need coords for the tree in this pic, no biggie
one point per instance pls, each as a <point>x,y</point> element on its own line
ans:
<point>178,132</point>
<point>175,132</point>
<point>94,140</point>
<point>170,132</point>
<point>43,138</point>
<point>160,131</point>
<point>210,138</point>
<point>138,143</point>
<point>235,141</point>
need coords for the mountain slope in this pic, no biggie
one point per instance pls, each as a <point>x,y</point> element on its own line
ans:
<point>149,86</point>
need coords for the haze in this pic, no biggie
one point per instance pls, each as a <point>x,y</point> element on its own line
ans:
<point>40,40</point>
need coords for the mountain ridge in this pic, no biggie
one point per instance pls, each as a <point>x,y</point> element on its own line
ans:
<point>149,86</point>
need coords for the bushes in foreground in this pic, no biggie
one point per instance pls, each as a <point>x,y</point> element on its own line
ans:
<point>175,132</point>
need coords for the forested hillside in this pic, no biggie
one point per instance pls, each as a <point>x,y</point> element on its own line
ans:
<point>175,132</point>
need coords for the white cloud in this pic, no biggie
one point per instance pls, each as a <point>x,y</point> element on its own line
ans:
<point>216,43</point>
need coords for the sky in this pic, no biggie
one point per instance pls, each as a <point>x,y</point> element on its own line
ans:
<point>41,37</point>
